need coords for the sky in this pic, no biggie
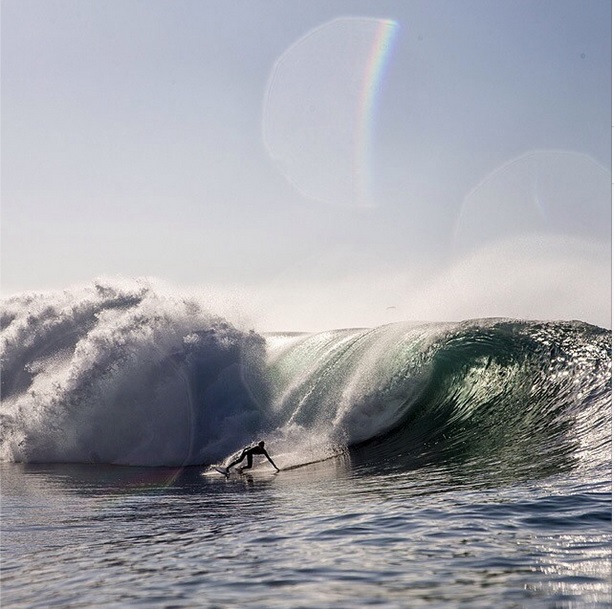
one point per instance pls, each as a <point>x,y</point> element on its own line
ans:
<point>305,165</point>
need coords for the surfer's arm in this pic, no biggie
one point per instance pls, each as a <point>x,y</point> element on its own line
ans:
<point>266,454</point>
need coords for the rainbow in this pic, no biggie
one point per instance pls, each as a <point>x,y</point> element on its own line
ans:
<point>381,47</point>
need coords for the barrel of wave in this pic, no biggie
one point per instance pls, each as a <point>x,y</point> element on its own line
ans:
<point>332,390</point>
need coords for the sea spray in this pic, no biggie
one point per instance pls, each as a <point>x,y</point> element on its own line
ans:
<point>116,373</point>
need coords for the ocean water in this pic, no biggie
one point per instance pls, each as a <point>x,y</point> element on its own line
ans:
<point>422,464</point>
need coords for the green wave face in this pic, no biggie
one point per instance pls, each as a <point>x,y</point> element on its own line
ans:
<point>527,396</point>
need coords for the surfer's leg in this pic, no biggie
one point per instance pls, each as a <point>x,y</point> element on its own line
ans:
<point>236,461</point>
<point>249,462</point>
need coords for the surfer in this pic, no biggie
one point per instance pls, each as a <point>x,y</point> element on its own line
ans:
<point>249,452</point>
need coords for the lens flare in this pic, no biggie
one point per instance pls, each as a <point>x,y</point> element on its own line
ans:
<point>320,108</point>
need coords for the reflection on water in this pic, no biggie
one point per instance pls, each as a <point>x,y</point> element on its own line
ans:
<point>330,534</point>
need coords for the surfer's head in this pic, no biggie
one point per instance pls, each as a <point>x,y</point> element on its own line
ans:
<point>261,443</point>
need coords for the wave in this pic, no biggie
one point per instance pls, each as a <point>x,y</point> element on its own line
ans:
<point>120,373</point>
<point>532,395</point>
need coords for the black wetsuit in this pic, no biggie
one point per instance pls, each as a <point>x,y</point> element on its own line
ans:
<point>249,453</point>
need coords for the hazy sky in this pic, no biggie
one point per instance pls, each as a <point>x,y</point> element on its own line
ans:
<point>317,163</point>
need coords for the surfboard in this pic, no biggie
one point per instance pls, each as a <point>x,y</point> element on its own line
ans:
<point>288,468</point>
<point>221,470</point>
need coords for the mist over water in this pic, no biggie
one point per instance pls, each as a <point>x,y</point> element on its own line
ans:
<point>518,248</point>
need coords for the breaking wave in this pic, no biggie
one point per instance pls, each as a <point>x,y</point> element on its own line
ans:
<point>119,373</point>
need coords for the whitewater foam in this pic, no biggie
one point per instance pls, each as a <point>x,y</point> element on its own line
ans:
<point>118,374</point>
